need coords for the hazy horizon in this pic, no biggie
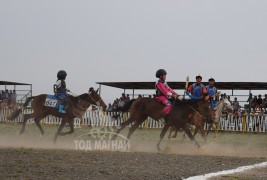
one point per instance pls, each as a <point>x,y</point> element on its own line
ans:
<point>103,41</point>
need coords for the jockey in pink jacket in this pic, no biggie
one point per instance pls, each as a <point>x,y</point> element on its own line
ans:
<point>164,92</point>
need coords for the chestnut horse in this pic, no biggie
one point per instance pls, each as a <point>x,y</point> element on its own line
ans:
<point>199,122</point>
<point>77,106</point>
<point>141,108</point>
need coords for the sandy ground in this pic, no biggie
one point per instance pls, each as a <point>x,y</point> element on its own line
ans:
<point>31,156</point>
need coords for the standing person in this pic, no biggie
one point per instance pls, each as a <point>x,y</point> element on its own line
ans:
<point>164,93</point>
<point>197,90</point>
<point>235,107</point>
<point>250,100</point>
<point>61,90</point>
<point>212,91</point>
<point>264,102</point>
<point>259,102</point>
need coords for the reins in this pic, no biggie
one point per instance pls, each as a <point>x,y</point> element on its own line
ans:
<point>190,108</point>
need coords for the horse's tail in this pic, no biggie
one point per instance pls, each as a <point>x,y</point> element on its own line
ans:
<point>16,113</point>
<point>28,100</point>
<point>125,108</point>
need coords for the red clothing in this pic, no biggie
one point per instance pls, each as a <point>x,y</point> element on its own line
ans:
<point>163,98</point>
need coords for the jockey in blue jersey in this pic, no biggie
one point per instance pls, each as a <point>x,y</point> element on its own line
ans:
<point>60,89</point>
<point>212,92</point>
<point>197,90</point>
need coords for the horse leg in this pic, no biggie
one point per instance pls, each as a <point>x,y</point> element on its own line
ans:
<point>189,134</point>
<point>176,131</point>
<point>200,127</point>
<point>37,122</point>
<point>162,134</point>
<point>71,129</point>
<point>195,132</point>
<point>25,119</point>
<point>123,125</point>
<point>134,127</point>
<point>63,122</point>
<point>170,132</point>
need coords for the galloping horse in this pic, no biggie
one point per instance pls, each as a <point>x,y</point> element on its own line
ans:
<point>76,108</point>
<point>199,122</point>
<point>141,108</point>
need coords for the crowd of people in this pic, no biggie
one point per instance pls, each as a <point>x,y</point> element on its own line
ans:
<point>119,102</point>
<point>8,99</point>
<point>257,102</point>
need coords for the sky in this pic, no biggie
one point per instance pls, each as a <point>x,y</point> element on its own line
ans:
<point>119,40</point>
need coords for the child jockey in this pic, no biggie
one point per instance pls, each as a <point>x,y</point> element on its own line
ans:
<point>164,93</point>
<point>60,89</point>
<point>197,90</point>
<point>212,90</point>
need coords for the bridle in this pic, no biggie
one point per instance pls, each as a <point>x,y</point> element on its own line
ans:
<point>203,116</point>
<point>97,102</point>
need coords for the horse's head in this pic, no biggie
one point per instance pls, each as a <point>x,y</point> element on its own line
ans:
<point>226,104</point>
<point>205,110</point>
<point>96,99</point>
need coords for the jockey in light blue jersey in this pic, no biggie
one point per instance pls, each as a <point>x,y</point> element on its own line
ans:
<point>212,92</point>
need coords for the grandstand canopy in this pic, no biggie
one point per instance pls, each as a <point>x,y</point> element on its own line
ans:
<point>23,90</point>
<point>181,85</point>
<point>12,83</point>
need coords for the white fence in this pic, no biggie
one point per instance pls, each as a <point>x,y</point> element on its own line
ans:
<point>255,123</point>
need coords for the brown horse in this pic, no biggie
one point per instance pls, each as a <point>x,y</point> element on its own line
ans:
<point>199,122</point>
<point>141,108</point>
<point>76,108</point>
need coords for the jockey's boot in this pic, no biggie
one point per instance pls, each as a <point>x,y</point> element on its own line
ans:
<point>61,109</point>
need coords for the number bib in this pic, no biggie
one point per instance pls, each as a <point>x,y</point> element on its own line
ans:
<point>50,102</point>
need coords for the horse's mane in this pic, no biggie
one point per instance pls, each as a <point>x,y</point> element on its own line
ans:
<point>76,99</point>
<point>83,96</point>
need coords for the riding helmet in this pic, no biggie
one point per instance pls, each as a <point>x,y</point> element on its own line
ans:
<point>61,75</point>
<point>160,72</point>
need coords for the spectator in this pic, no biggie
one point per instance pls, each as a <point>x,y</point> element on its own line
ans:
<point>123,97</point>
<point>6,95</point>
<point>250,100</point>
<point>254,102</point>
<point>235,107</point>
<point>264,102</point>
<point>14,96</point>
<point>139,96</point>
<point>109,109</point>
<point>259,101</point>
<point>229,99</point>
<point>115,105</point>
<point>149,96</point>
<point>1,96</point>
<point>154,96</point>
<point>128,97</point>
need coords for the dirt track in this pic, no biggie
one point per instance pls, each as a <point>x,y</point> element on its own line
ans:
<point>62,164</point>
<point>32,157</point>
